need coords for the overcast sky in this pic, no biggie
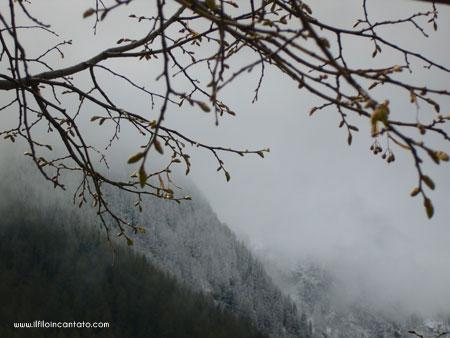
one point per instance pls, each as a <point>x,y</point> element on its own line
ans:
<point>312,195</point>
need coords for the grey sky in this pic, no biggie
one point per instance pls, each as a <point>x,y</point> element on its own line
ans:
<point>312,195</point>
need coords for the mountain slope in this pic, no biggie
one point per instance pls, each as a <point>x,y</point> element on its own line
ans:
<point>190,242</point>
<point>54,268</point>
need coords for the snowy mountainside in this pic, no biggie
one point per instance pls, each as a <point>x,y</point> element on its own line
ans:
<point>190,242</point>
<point>185,240</point>
<point>333,314</point>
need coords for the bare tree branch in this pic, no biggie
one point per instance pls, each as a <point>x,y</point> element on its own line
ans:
<point>201,48</point>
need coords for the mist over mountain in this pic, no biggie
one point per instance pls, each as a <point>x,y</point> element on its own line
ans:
<point>199,256</point>
<point>339,310</point>
<point>316,240</point>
